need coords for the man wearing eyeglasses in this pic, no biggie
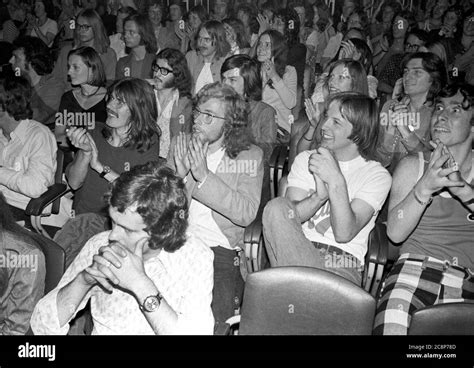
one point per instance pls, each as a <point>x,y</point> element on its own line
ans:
<point>206,61</point>
<point>223,173</point>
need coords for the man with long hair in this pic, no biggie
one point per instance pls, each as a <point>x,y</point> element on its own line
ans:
<point>334,194</point>
<point>223,172</point>
<point>206,61</point>
<point>145,276</point>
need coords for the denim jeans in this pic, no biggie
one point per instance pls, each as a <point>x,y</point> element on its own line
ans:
<point>228,284</point>
<point>287,245</point>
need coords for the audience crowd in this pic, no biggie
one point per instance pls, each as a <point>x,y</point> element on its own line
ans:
<point>167,113</point>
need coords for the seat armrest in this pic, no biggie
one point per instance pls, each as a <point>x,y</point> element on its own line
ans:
<point>37,205</point>
<point>377,248</point>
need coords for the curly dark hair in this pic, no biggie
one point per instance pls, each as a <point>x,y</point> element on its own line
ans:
<point>279,50</point>
<point>36,53</point>
<point>250,72</point>
<point>161,201</point>
<point>182,75</point>
<point>237,134</point>
<point>139,96</point>
<point>291,20</point>
<point>15,97</point>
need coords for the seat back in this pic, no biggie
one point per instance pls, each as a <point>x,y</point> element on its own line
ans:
<point>55,260</point>
<point>304,301</point>
<point>58,178</point>
<point>443,319</point>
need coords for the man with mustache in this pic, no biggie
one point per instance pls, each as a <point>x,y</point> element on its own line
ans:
<point>431,216</point>
<point>206,61</point>
<point>146,276</point>
<point>223,171</point>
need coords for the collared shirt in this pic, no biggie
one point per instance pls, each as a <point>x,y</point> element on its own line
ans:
<point>26,270</point>
<point>185,279</point>
<point>163,121</point>
<point>27,162</point>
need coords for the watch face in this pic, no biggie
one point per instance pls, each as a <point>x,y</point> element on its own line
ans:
<point>151,303</point>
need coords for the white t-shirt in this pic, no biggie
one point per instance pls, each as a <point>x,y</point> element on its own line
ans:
<point>49,26</point>
<point>366,180</point>
<point>205,77</point>
<point>201,221</point>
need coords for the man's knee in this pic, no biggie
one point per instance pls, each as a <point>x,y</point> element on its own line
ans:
<point>277,211</point>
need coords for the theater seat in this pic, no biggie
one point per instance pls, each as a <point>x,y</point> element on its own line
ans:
<point>443,319</point>
<point>303,301</point>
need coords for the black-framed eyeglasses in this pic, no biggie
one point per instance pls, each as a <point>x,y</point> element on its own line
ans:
<point>163,71</point>
<point>207,116</point>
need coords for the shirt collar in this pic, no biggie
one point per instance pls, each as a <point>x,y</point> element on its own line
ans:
<point>352,164</point>
<point>19,132</point>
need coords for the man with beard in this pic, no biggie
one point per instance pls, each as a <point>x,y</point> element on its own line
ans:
<point>212,49</point>
<point>223,172</point>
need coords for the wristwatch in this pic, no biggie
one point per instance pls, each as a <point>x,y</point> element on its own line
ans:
<point>105,171</point>
<point>151,303</point>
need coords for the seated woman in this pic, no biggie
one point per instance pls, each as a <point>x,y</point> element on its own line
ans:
<point>344,75</point>
<point>406,120</point>
<point>172,82</point>
<point>22,276</point>
<point>140,40</point>
<point>129,137</point>
<point>85,105</point>
<point>89,31</point>
<point>242,73</point>
<point>279,79</point>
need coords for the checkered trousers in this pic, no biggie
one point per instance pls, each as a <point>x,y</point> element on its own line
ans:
<point>418,281</point>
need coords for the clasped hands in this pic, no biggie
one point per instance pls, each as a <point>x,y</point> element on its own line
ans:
<point>325,170</point>
<point>82,139</point>
<point>115,265</point>
<point>191,157</point>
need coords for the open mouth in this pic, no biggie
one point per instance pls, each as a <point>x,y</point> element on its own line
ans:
<point>112,113</point>
<point>438,129</point>
<point>326,136</point>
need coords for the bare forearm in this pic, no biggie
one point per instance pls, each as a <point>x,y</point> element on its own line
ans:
<point>306,140</point>
<point>308,207</point>
<point>76,173</point>
<point>343,219</point>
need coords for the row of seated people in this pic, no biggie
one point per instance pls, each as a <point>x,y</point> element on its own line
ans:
<point>334,196</point>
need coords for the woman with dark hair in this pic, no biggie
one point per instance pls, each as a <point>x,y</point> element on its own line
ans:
<point>22,282</point>
<point>287,22</point>
<point>89,31</point>
<point>235,36</point>
<point>279,79</point>
<point>172,82</point>
<point>85,104</point>
<point>434,20</point>
<point>196,16</point>
<point>140,40</point>
<point>41,25</point>
<point>406,120</point>
<point>129,137</point>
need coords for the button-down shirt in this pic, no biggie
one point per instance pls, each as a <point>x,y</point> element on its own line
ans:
<point>27,162</point>
<point>184,278</point>
<point>196,63</point>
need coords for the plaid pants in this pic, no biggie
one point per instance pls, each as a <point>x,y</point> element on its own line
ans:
<point>418,281</point>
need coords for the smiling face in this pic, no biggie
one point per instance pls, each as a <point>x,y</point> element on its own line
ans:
<point>118,113</point>
<point>233,78</point>
<point>264,48</point>
<point>336,130</point>
<point>450,123</point>
<point>78,70</point>
<point>128,228</point>
<point>416,80</point>
<point>155,15</point>
<point>340,80</point>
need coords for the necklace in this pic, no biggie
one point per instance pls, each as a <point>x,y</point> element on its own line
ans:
<point>90,95</point>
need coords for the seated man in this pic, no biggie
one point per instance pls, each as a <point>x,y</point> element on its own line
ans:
<point>145,276</point>
<point>27,148</point>
<point>431,214</point>
<point>224,174</point>
<point>22,274</point>
<point>31,59</point>
<point>334,194</point>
